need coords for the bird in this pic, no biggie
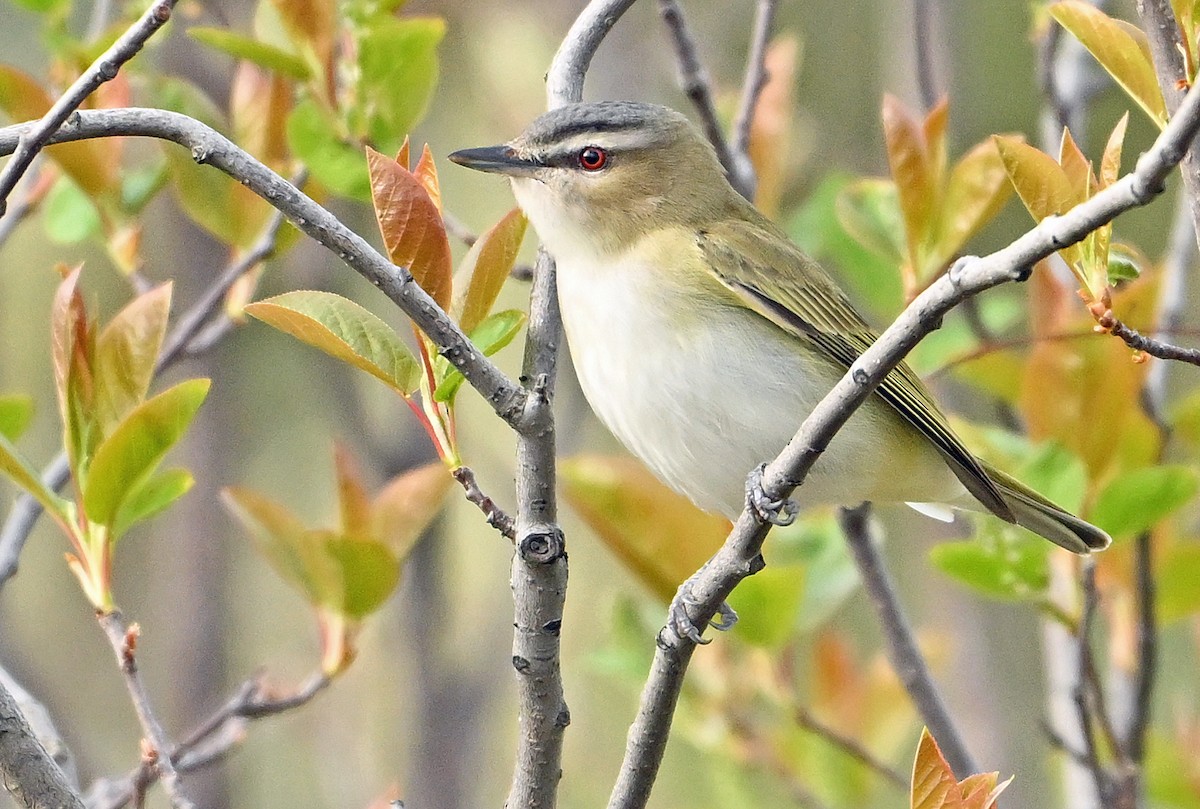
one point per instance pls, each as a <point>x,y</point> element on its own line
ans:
<point>702,336</point>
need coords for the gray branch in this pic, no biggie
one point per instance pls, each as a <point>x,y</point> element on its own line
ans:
<point>739,556</point>
<point>30,774</point>
<point>752,86</point>
<point>209,147</point>
<point>103,69</point>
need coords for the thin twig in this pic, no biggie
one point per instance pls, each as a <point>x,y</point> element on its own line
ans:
<point>924,14</point>
<point>850,746</point>
<point>1155,348</point>
<point>26,510</point>
<point>1080,691</point>
<point>752,86</point>
<point>697,86</point>
<point>1147,648</point>
<point>29,773</point>
<point>212,739</point>
<point>739,557</point>
<point>900,642</point>
<point>103,69</point>
<point>496,516</point>
<point>30,190</point>
<point>123,639</point>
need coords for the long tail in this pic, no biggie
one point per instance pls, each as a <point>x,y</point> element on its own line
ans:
<point>1046,519</point>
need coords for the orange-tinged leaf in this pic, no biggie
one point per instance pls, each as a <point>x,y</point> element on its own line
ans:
<point>312,25</point>
<point>353,503</point>
<point>126,354</point>
<point>487,265</point>
<point>90,163</point>
<point>426,172</point>
<point>909,163</point>
<point>66,316</point>
<point>402,156</point>
<point>260,102</point>
<point>411,225</point>
<point>407,504</point>
<point>1120,48</point>
<point>1110,163</point>
<point>771,143</point>
<point>1076,167</point>
<point>344,330</point>
<point>976,191</point>
<point>933,131</point>
<point>657,534</point>
<point>935,787</point>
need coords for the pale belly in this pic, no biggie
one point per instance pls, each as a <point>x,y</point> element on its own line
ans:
<point>702,399</point>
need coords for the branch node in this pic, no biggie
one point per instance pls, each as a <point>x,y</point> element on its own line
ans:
<point>542,546</point>
<point>520,664</point>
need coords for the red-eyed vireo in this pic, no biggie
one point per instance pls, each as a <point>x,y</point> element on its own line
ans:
<point>702,336</point>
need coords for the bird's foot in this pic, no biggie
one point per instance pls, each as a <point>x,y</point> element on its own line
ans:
<point>681,623</point>
<point>781,511</point>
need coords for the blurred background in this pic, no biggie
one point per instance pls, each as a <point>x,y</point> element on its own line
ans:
<point>427,710</point>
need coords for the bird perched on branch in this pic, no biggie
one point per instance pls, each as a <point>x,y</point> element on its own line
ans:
<point>703,337</point>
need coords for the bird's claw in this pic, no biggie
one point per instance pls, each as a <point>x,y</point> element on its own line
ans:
<point>780,511</point>
<point>681,623</point>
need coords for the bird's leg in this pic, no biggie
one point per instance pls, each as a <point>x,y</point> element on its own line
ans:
<point>681,623</point>
<point>771,510</point>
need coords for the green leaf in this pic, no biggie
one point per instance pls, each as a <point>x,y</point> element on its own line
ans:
<point>1003,562</point>
<point>1177,589</point>
<point>487,264</point>
<point>153,495</point>
<point>397,66</point>
<point>1057,473</point>
<point>1138,500</point>
<point>1122,267</point>
<point>339,166</point>
<point>140,185</point>
<point>250,49</point>
<point>25,476</point>
<point>16,410</point>
<point>367,573</point>
<point>494,333</point>
<point>764,601</point>
<point>1120,48</point>
<point>976,191</point>
<point>344,330</point>
<point>869,210</point>
<point>126,354</point>
<point>43,6</point>
<point>130,454</point>
<point>68,215</point>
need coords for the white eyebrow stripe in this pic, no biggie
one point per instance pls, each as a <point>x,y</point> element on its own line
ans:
<point>616,141</point>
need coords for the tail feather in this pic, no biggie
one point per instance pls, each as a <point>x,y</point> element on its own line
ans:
<point>1045,518</point>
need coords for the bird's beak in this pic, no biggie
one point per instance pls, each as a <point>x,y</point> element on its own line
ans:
<point>500,159</point>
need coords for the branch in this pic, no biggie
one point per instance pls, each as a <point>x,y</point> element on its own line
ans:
<point>103,69</point>
<point>1162,31</point>
<point>181,340</point>
<point>739,556</point>
<point>695,83</point>
<point>752,85</point>
<point>1084,669</point>
<point>901,645</point>
<point>924,12</point>
<point>29,773</point>
<point>209,147</point>
<point>539,567</point>
<point>214,737</point>
<point>157,747</point>
<point>496,516</point>
<point>1148,345</point>
<point>850,746</point>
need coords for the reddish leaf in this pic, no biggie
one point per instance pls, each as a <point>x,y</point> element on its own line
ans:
<point>935,787</point>
<point>402,156</point>
<point>353,502</point>
<point>407,504</point>
<point>1076,167</point>
<point>411,225</point>
<point>911,171</point>
<point>426,172</point>
<point>312,25</point>
<point>260,103</point>
<point>770,131</point>
<point>487,265</point>
<point>126,353</point>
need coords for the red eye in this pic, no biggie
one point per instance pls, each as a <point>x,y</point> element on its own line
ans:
<point>592,158</point>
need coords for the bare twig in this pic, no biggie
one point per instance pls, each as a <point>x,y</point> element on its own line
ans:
<point>1151,346</point>
<point>496,516</point>
<point>900,642</point>
<point>739,556</point>
<point>924,16</point>
<point>25,512</point>
<point>213,738</point>
<point>850,746</point>
<point>29,191</point>
<point>123,639</point>
<point>696,84</point>
<point>29,773</point>
<point>103,69</point>
<point>752,85</point>
<point>1147,649</point>
<point>1083,707</point>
